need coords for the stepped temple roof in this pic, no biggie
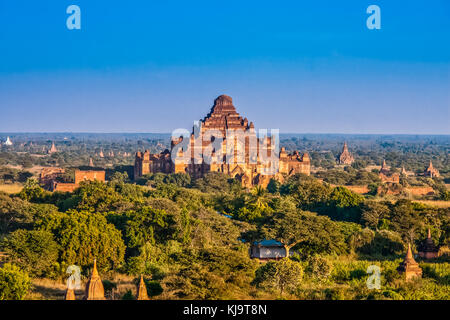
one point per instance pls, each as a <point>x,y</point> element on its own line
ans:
<point>223,116</point>
<point>409,266</point>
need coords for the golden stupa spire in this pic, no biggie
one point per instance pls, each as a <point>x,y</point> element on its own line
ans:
<point>70,294</point>
<point>142,290</point>
<point>94,269</point>
<point>409,255</point>
<point>94,287</point>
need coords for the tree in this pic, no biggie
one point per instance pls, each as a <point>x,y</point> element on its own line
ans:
<point>147,225</point>
<point>373,212</point>
<point>285,275</point>
<point>273,186</point>
<point>319,267</point>
<point>406,220</point>
<point>310,194</point>
<point>119,177</point>
<point>345,205</point>
<point>34,251</point>
<point>258,200</point>
<point>85,236</point>
<point>31,191</point>
<point>14,283</point>
<point>307,232</point>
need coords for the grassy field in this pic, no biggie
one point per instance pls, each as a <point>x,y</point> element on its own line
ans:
<point>11,188</point>
<point>435,203</point>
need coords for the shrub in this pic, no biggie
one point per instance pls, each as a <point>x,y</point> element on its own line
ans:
<point>284,275</point>
<point>319,267</point>
<point>14,283</point>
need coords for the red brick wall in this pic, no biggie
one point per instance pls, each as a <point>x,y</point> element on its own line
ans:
<point>90,175</point>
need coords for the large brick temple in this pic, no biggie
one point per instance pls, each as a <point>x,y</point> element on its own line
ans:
<point>248,166</point>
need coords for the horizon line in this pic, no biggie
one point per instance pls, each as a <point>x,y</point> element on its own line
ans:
<point>168,133</point>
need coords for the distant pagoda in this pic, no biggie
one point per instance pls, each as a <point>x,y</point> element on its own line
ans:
<point>345,157</point>
<point>403,171</point>
<point>8,142</point>
<point>387,176</point>
<point>428,250</point>
<point>431,171</point>
<point>91,163</point>
<point>52,149</point>
<point>409,266</point>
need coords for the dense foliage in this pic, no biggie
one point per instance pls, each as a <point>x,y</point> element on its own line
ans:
<point>191,237</point>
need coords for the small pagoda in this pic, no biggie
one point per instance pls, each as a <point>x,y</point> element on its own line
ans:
<point>409,266</point>
<point>94,287</point>
<point>52,149</point>
<point>345,157</point>
<point>431,171</point>
<point>142,290</point>
<point>428,250</point>
<point>70,294</point>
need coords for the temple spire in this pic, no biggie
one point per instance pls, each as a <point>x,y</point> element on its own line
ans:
<point>94,287</point>
<point>70,294</point>
<point>429,234</point>
<point>409,255</point>
<point>94,269</point>
<point>142,290</point>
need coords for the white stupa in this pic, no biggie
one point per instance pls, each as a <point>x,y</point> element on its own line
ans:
<point>8,142</point>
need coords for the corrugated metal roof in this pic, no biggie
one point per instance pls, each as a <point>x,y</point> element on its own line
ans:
<point>269,243</point>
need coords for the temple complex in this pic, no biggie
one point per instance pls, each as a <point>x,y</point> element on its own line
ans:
<point>52,178</point>
<point>94,287</point>
<point>387,176</point>
<point>345,157</point>
<point>142,290</point>
<point>48,175</point>
<point>428,250</point>
<point>243,146</point>
<point>431,171</point>
<point>409,266</point>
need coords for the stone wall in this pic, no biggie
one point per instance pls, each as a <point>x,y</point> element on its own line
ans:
<point>89,175</point>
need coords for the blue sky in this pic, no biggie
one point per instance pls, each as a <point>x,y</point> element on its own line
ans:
<point>153,66</point>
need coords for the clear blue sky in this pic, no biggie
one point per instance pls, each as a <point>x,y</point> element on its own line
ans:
<point>153,66</point>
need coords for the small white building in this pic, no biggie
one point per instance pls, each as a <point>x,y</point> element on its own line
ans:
<point>8,142</point>
<point>267,250</point>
